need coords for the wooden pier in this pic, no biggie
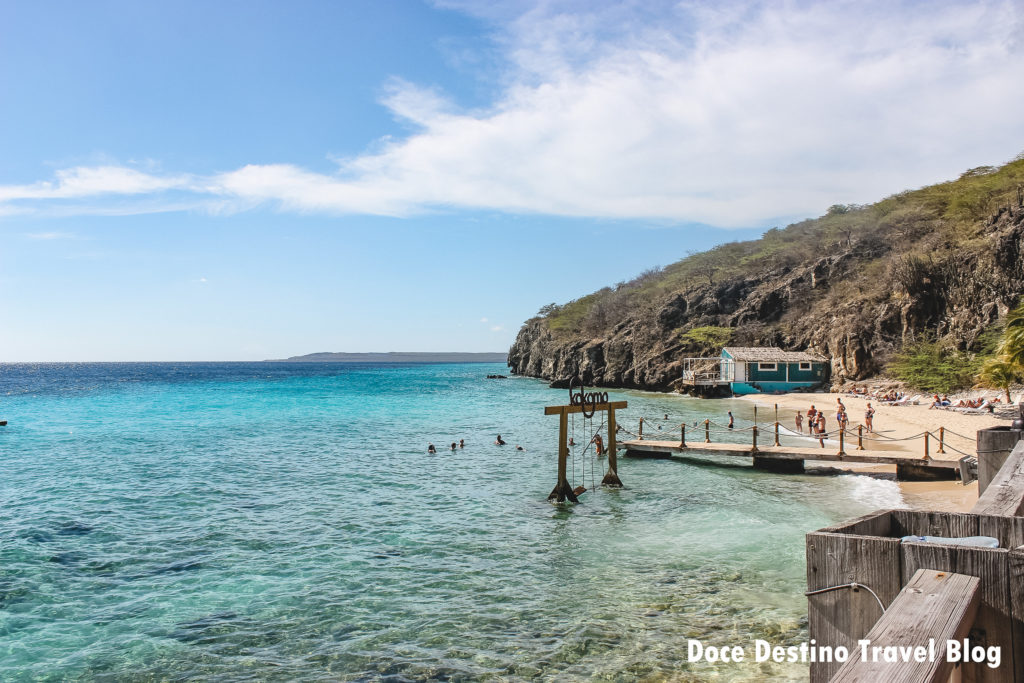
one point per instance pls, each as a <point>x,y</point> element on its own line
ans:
<point>791,459</point>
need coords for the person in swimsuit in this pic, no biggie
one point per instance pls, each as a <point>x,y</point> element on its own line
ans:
<point>869,418</point>
<point>431,449</point>
<point>498,441</point>
<point>800,422</point>
<point>599,444</point>
<point>454,446</point>
<point>462,443</point>
<point>730,420</point>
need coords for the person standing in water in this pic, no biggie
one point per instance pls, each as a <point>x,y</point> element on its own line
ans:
<point>598,444</point>
<point>498,441</point>
<point>462,443</point>
<point>431,449</point>
<point>799,422</point>
<point>731,421</point>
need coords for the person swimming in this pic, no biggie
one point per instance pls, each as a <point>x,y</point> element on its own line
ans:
<point>454,446</point>
<point>519,448</point>
<point>462,443</point>
<point>431,449</point>
<point>498,441</point>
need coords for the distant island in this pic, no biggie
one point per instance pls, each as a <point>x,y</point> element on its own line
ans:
<point>397,357</point>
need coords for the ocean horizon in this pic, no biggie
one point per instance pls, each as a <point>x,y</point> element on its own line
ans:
<point>284,521</point>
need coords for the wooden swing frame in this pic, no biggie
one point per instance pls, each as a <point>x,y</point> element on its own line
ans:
<point>563,491</point>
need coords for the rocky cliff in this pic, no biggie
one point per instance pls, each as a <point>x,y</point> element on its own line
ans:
<point>915,265</point>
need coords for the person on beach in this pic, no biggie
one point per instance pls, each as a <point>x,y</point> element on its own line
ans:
<point>840,402</point>
<point>498,441</point>
<point>820,422</point>
<point>812,417</point>
<point>799,422</point>
<point>843,419</point>
<point>869,417</point>
<point>731,421</point>
<point>431,449</point>
<point>598,444</point>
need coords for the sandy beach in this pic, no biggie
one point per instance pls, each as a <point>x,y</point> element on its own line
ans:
<point>900,422</point>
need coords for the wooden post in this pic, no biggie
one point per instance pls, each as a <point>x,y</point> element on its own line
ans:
<point>682,435</point>
<point>641,435</point>
<point>563,490</point>
<point>842,441</point>
<point>754,433</point>
<point>611,477</point>
<point>926,444</point>
<point>755,414</point>
<point>777,411</point>
<point>942,439</point>
<point>777,432</point>
<point>860,437</point>
<point>707,431</point>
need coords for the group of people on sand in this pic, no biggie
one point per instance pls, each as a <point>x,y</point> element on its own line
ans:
<point>976,403</point>
<point>816,420</point>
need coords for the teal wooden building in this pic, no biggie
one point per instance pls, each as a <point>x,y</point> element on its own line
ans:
<point>752,370</point>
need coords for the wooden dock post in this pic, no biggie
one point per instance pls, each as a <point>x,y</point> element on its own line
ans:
<point>754,432</point>
<point>926,445</point>
<point>641,435</point>
<point>842,441</point>
<point>777,433</point>
<point>563,490</point>
<point>682,435</point>
<point>707,431</point>
<point>942,439</point>
<point>860,437</point>
<point>611,477</point>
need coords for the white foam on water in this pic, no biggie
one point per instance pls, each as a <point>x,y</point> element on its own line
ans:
<point>877,493</point>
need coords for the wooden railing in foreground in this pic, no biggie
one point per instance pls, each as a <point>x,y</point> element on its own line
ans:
<point>1005,495</point>
<point>934,606</point>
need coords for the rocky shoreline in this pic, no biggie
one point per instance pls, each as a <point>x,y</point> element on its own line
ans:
<point>963,290</point>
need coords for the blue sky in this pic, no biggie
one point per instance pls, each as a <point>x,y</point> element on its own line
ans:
<point>249,180</point>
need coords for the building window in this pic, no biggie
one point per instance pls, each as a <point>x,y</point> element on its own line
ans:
<point>767,366</point>
<point>805,366</point>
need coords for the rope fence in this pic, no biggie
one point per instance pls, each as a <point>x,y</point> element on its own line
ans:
<point>852,433</point>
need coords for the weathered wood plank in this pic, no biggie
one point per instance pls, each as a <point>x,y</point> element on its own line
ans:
<point>569,410</point>
<point>1005,494</point>
<point>841,617</point>
<point>1015,569</point>
<point>924,523</point>
<point>877,523</point>
<point>992,624</point>
<point>934,605</point>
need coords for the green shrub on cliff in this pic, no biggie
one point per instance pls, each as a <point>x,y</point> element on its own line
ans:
<point>707,340</point>
<point>933,367</point>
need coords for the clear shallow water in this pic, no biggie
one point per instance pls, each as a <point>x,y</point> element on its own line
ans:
<point>283,522</point>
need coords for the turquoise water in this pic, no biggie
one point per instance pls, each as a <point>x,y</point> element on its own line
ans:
<point>280,522</point>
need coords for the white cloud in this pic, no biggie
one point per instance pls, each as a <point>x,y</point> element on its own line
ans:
<point>483,320</point>
<point>724,114</point>
<point>497,328</point>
